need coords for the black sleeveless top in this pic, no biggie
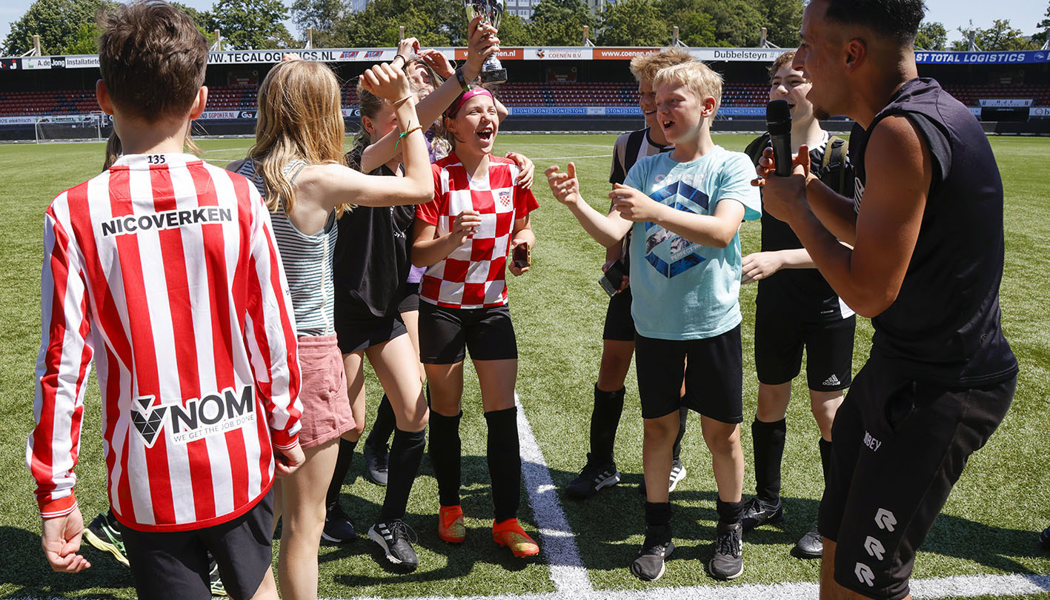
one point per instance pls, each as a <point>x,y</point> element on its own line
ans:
<point>944,326</point>
<point>372,255</point>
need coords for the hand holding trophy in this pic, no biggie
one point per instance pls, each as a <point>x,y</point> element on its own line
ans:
<point>491,12</point>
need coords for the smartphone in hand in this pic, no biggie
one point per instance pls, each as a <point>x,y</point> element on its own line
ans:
<point>612,279</point>
<point>522,256</point>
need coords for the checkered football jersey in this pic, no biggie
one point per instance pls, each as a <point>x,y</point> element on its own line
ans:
<point>473,275</point>
<point>165,271</point>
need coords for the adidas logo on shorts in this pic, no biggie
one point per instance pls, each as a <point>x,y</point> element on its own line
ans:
<point>833,380</point>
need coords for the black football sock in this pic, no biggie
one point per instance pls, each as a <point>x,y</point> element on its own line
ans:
<point>605,418</point>
<point>384,425</point>
<point>729,512</point>
<point>768,440</point>
<point>683,416</point>
<point>405,454</point>
<point>342,467</point>
<point>504,457</point>
<point>825,458</point>
<point>445,448</point>
<point>657,522</point>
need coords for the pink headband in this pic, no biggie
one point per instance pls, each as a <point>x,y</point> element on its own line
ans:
<point>467,95</point>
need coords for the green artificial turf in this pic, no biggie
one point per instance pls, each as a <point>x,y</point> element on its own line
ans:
<point>989,526</point>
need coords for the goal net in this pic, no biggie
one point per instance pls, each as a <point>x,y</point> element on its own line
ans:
<point>94,126</point>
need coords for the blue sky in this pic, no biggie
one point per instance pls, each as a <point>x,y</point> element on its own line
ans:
<point>1023,14</point>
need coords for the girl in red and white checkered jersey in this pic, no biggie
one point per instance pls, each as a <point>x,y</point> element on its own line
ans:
<point>478,217</point>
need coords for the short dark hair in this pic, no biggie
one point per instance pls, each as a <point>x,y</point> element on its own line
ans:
<point>152,58</point>
<point>895,19</point>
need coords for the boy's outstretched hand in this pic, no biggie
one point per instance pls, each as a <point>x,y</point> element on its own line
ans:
<point>564,186</point>
<point>633,205</point>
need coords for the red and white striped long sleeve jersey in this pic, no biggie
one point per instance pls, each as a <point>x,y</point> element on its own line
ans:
<point>165,270</point>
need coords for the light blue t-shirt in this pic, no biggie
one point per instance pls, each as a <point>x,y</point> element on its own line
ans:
<point>683,290</point>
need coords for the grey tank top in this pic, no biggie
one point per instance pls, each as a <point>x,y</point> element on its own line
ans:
<point>307,260</point>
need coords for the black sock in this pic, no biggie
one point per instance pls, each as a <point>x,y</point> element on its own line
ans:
<point>504,457</point>
<point>605,418</point>
<point>683,415</point>
<point>444,451</point>
<point>657,523</point>
<point>768,439</point>
<point>657,513</point>
<point>405,454</point>
<point>729,512</point>
<point>342,467</point>
<point>825,458</point>
<point>383,426</point>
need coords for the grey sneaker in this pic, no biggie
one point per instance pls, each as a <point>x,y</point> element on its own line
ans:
<point>395,538</point>
<point>810,545</point>
<point>376,463</point>
<point>104,533</point>
<point>655,550</point>
<point>591,479</point>
<point>728,561</point>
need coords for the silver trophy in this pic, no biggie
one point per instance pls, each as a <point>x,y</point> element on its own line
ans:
<point>491,12</point>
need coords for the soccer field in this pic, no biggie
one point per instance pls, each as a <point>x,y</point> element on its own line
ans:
<point>983,545</point>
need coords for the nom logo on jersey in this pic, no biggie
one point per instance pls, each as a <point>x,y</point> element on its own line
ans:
<point>195,419</point>
<point>669,253</point>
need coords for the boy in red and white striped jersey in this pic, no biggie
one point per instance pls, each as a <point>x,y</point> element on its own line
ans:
<point>165,271</point>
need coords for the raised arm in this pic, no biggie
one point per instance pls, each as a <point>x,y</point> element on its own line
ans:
<point>607,230</point>
<point>483,42</point>
<point>836,212</point>
<point>868,277</point>
<point>716,231</point>
<point>336,184</point>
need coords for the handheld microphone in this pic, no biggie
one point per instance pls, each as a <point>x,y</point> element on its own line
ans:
<point>778,123</point>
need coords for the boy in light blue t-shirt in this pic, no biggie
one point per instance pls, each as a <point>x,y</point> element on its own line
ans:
<point>685,208</point>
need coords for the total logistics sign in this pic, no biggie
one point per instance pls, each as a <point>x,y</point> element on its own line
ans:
<point>982,58</point>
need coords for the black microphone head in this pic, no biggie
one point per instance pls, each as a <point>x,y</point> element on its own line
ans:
<point>778,117</point>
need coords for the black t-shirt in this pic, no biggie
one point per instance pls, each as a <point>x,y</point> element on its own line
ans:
<point>372,254</point>
<point>944,326</point>
<point>803,293</point>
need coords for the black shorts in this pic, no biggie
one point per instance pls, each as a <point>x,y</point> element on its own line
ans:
<point>714,374</point>
<point>409,298</point>
<point>445,334</point>
<point>175,564</point>
<point>899,447</point>
<point>357,332</point>
<point>619,324</point>
<point>780,338</point>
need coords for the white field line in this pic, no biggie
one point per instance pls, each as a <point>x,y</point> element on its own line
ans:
<point>556,538</point>
<point>964,586</point>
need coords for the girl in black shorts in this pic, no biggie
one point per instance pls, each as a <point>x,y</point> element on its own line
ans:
<point>478,216</point>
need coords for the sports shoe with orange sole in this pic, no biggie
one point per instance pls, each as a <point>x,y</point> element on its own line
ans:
<point>510,534</point>
<point>450,524</point>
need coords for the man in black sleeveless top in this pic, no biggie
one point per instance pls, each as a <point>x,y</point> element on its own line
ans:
<point>926,229</point>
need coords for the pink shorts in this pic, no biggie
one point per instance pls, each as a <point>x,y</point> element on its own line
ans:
<point>326,407</point>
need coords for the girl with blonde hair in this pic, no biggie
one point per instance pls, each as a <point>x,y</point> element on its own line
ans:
<point>296,162</point>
